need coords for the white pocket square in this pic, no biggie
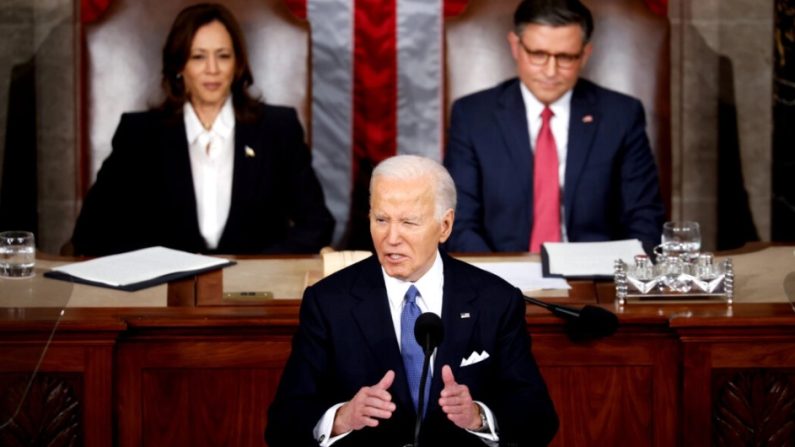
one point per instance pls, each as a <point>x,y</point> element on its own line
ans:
<point>474,358</point>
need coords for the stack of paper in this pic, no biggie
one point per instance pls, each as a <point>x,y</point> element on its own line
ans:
<point>138,269</point>
<point>526,276</point>
<point>587,259</point>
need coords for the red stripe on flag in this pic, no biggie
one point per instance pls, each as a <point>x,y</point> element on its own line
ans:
<point>659,7</point>
<point>92,10</point>
<point>374,102</point>
<point>454,7</point>
<point>297,8</point>
<point>374,81</point>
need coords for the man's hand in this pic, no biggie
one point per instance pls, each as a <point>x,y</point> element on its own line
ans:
<point>457,403</point>
<point>367,406</point>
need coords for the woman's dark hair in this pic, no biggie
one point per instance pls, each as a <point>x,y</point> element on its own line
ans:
<point>176,52</point>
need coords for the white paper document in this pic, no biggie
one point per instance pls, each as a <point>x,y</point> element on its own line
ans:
<point>524,275</point>
<point>139,266</point>
<point>589,258</point>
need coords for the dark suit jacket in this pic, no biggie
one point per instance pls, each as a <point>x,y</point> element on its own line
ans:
<point>346,340</point>
<point>611,186</point>
<point>144,192</point>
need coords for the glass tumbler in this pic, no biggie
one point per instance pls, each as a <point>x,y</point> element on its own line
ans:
<point>17,254</point>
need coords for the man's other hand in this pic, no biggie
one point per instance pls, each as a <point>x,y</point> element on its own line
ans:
<point>369,405</point>
<point>457,403</point>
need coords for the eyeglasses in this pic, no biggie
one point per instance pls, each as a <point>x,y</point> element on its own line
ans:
<point>562,60</point>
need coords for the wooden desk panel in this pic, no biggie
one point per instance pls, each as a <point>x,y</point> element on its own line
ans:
<point>206,375</point>
<point>201,391</point>
<point>69,399</point>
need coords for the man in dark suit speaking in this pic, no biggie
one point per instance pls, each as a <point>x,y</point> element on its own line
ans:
<point>352,378</point>
<point>549,156</point>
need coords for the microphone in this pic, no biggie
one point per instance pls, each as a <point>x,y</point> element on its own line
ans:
<point>582,324</point>
<point>429,332</point>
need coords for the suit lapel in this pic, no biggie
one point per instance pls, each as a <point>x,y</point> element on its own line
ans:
<point>243,173</point>
<point>512,120</point>
<point>181,194</point>
<point>373,318</point>
<point>583,123</point>
<point>460,317</point>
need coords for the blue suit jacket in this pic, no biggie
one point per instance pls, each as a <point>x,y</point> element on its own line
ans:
<point>611,184</point>
<point>346,340</point>
<point>144,192</point>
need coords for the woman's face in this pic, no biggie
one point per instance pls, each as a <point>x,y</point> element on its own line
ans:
<point>210,69</point>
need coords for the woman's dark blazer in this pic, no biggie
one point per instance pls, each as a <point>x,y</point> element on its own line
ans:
<point>144,194</point>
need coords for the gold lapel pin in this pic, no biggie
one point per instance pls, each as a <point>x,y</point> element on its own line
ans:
<point>250,152</point>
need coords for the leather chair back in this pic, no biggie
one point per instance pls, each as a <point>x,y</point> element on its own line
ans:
<point>631,55</point>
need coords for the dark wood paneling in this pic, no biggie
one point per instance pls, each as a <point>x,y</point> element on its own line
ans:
<point>591,400</point>
<point>201,390</point>
<point>40,410</point>
<point>76,369</point>
<point>620,390</point>
<point>206,376</point>
<point>753,406</point>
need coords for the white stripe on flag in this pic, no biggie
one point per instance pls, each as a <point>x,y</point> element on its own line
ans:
<point>332,103</point>
<point>419,77</point>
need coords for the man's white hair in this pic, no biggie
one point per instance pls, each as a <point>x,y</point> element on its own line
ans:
<point>409,167</point>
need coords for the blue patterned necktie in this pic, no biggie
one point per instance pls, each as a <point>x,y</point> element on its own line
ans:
<point>409,349</point>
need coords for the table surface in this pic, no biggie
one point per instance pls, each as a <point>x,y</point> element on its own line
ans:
<point>760,277</point>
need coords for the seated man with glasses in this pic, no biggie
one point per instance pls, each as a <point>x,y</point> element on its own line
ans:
<point>549,156</point>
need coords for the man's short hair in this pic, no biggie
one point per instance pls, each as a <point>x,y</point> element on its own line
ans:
<point>554,13</point>
<point>409,167</point>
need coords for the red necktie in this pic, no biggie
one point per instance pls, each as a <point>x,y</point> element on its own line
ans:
<point>546,188</point>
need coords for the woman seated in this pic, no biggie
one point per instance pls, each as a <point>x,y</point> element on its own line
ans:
<point>211,169</point>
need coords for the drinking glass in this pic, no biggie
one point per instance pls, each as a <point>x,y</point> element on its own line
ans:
<point>17,254</point>
<point>681,239</point>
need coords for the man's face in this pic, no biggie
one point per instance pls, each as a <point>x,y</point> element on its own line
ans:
<point>404,227</point>
<point>547,80</point>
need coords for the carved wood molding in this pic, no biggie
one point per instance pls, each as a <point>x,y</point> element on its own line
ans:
<point>48,416</point>
<point>754,407</point>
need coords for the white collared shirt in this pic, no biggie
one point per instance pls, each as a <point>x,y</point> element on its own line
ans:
<point>430,287</point>
<point>212,160</point>
<point>431,291</point>
<point>560,131</point>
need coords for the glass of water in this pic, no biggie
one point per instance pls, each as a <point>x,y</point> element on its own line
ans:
<point>681,239</point>
<point>17,254</point>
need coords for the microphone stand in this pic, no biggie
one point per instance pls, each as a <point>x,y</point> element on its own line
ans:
<point>584,324</point>
<point>421,398</point>
<point>428,331</point>
<point>560,311</point>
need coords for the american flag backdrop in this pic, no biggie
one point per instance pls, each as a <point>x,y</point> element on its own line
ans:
<point>377,91</point>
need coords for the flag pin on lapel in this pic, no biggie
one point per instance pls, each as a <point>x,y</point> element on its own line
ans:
<point>250,152</point>
<point>587,119</point>
<point>464,315</point>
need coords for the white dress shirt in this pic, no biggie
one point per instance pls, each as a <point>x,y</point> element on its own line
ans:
<point>559,125</point>
<point>431,290</point>
<point>212,160</point>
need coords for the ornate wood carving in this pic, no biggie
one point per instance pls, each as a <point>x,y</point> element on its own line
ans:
<point>48,416</point>
<point>754,407</point>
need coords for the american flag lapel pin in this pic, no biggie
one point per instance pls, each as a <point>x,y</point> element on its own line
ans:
<point>250,152</point>
<point>464,315</point>
<point>587,119</point>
